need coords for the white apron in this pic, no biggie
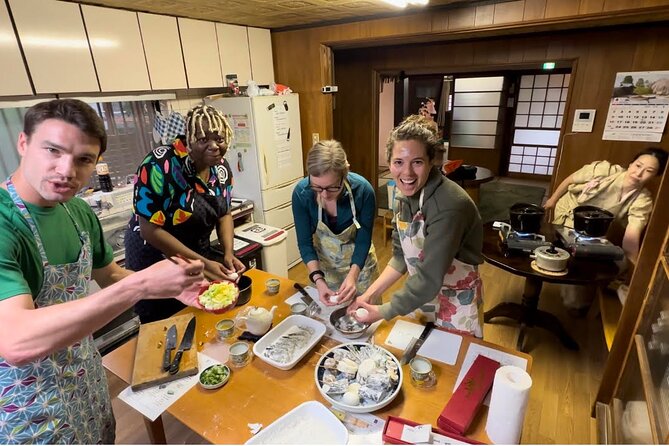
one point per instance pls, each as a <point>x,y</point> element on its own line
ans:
<point>458,305</point>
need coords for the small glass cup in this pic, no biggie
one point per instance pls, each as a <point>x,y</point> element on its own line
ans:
<point>272,286</point>
<point>422,374</point>
<point>240,354</point>
<point>225,328</point>
<point>299,308</point>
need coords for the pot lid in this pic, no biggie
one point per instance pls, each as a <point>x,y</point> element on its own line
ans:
<point>549,252</point>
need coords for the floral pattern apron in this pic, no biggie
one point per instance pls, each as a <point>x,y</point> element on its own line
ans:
<point>335,251</point>
<point>62,398</point>
<point>458,305</point>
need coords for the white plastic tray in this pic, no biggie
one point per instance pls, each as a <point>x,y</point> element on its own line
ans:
<point>279,330</point>
<point>309,423</point>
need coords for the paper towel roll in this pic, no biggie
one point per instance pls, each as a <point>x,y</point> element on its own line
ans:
<point>510,392</point>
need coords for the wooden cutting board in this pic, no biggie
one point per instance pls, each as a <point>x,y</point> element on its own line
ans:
<point>148,370</point>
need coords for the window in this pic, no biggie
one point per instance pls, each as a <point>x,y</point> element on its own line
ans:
<point>476,109</point>
<point>539,113</point>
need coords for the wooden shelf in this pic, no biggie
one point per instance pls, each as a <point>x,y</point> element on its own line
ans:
<point>610,309</point>
<point>647,382</point>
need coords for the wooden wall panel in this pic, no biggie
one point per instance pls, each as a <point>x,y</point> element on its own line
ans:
<point>461,18</point>
<point>591,6</point>
<point>509,12</point>
<point>484,15</point>
<point>534,10</point>
<point>561,8</point>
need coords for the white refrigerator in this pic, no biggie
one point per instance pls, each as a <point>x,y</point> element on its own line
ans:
<point>266,157</point>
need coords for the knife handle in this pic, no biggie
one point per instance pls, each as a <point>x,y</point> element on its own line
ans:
<point>166,359</point>
<point>174,367</point>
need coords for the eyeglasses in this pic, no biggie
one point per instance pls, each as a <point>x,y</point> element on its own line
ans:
<point>318,189</point>
<point>218,139</point>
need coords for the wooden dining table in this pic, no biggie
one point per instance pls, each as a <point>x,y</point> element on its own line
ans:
<point>260,393</point>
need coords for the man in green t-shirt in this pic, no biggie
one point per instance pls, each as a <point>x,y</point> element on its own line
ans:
<point>52,385</point>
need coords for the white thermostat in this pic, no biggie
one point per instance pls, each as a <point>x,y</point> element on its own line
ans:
<point>583,120</point>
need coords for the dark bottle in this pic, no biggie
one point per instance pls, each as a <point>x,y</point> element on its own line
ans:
<point>102,170</point>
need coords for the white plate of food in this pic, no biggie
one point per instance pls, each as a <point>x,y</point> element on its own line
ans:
<point>309,423</point>
<point>358,377</point>
<point>288,342</point>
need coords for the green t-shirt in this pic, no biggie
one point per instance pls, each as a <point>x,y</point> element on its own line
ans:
<point>20,263</point>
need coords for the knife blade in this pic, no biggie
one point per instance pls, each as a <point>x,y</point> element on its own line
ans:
<point>312,307</point>
<point>170,344</point>
<point>416,343</point>
<point>186,343</point>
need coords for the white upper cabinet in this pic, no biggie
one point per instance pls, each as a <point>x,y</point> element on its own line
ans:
<point>116,44</point>
<point>198,40</point>
<point>54,42</point>
<point>162,47</point>
<point>233,50</point>
<point>260,49</point>
<point>15,80</point>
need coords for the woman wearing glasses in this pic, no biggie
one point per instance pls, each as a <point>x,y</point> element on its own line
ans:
<point>437,239</point>
<point>181,195</point>
<point>334,212</point>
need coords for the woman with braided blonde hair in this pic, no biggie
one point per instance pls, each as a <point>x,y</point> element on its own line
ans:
<point>181,195</point>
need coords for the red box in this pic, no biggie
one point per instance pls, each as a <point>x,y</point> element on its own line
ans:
<point>392,432</point>
<point>467,398</point>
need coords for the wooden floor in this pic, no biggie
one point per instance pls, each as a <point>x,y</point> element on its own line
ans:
<point>564,382</point>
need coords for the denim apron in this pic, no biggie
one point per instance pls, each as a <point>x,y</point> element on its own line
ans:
<point>457,307</point>
<point>335,252</point>
<point>62,398</point>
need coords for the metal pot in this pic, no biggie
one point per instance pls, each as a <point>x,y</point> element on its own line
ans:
<point>551,258</point>
<point>339,318</point>
<point>592,221</point>
<point>526,217</point>
<point>245,287</point>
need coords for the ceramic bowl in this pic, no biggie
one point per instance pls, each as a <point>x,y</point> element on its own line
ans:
<point>245,285</point>
<point>211,386</point>
<point>337,400</point>
<point>226,308</point>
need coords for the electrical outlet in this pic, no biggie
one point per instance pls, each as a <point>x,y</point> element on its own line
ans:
<point>315,137</point>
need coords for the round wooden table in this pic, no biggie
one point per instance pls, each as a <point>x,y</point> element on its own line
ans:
<point>473,186</point>
<point>581,272</point>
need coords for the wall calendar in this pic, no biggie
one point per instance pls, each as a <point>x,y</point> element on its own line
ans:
<point>639,107</point>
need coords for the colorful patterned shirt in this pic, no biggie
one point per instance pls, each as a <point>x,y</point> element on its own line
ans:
<point>167,183</point>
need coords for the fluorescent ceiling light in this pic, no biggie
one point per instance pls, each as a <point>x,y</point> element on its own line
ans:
<point>397,3</point>
<point>404,3</point>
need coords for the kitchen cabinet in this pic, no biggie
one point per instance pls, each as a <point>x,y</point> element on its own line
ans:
<point>260,50</point>
<point>54,42</point>
<point>116,44</point>
<point>233,50</point>
<point>200,47</point>
<point>639,410</point>
<point>162,47</point>
<point>15,80</point>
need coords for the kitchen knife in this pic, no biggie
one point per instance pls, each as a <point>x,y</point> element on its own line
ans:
<point>313,308</point>
<point>186,343</point>
<point>170,344</point>
<point>416,343</point>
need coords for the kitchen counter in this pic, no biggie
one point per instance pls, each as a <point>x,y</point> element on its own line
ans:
<point>260,393</point>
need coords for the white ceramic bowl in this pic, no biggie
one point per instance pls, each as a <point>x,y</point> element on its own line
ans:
<point>217,385</point>
<point>318,373</point>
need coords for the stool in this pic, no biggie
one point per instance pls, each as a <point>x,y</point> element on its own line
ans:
<point>387,215</point>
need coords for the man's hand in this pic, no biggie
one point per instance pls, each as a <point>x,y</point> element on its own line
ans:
<point>170,278</point>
